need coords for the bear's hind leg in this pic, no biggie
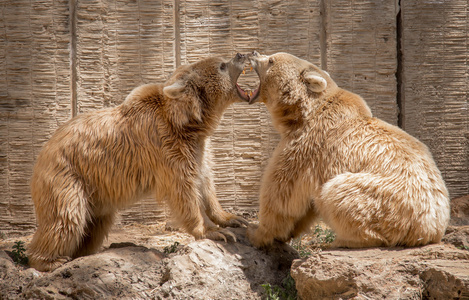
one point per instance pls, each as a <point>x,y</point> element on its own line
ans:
<point>54,244</point>
<point>46,252</point>
<point>97,229</point>
<point>61,215</point>
<point>357,215</point>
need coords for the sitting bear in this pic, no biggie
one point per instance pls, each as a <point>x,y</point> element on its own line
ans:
<point>371,182</point>
<point>154,142</point>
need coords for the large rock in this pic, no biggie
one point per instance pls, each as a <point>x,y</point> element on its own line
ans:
<point>201,270</point>
<point>460,211</point>
<point>430,272</point>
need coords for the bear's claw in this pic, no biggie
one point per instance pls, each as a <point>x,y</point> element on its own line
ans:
<point>220,234</point>
<point>237,222</point>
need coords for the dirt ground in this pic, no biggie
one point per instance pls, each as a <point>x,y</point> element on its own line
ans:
<point>159,262</point>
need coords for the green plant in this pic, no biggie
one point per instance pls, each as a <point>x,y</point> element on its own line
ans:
<point>18,253</point>
<point>171,249</point>
<point>324,235</point>
<point>463,247</point>
<point>271,293</point>
<point>287,290</point>
<point>298,246</point>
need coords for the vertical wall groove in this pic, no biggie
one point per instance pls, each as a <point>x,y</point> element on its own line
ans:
<point>177,33</point>
<point>399,72</point>
<point>323,33</point>
<point>73,56</point>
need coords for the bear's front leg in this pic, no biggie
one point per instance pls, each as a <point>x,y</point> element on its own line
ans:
<point>184,200</point>
<point>285,205</point>
<point>272,226</point>
<point>214,216</point>
<point>274,220</point>
<point>215,212</point>
<point>209,200</point>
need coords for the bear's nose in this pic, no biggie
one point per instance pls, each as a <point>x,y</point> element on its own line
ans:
<point>240,57</point>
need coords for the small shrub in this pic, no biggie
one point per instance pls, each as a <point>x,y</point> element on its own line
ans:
<point>271,293</point>
<point>287,291</point>
<point>298,246</point>
<point>18,253</point>
<point>171,249</point>
<point>324,235</point>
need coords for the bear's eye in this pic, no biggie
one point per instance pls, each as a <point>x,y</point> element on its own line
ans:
<point>271,60</point>
<point>223,66</point>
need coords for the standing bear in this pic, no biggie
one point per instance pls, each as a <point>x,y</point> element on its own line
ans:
<point>154,142</point>
<point>371,182</point>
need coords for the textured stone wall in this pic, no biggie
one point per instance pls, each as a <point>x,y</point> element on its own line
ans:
<point>62,58</point>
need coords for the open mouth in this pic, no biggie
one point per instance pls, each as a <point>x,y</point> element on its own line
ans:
<point>248,85</point>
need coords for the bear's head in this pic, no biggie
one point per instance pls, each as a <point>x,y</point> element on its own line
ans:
<point>285,77</point>
<point>289,86</point>
<point>199,93</point>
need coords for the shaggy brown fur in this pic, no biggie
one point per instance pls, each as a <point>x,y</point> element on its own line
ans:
<point>374,184</point>
<point>154,142</point>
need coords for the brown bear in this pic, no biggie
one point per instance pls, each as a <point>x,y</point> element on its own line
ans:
<point>154,142</point>
<point>371,182</point>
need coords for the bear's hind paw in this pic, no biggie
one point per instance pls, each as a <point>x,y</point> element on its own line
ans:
<point>47,265</point>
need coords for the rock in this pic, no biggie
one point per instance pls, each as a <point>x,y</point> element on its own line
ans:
<point>207,270</point>
<point>460,211</point>
<point>203,269</point>
<point>430,272</point>
<point>457,236</point>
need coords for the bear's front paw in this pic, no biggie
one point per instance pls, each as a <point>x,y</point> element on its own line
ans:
<point>220,234</point>
<point>235,221</point>
<point>258,237</point>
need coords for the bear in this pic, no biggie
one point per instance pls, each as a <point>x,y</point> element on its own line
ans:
<point>155,142</point>
<point>370,181</point>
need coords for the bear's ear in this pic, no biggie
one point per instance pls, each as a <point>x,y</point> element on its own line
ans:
<point>316,82</point>
<point>183,106</point>
<point>175,90</point>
